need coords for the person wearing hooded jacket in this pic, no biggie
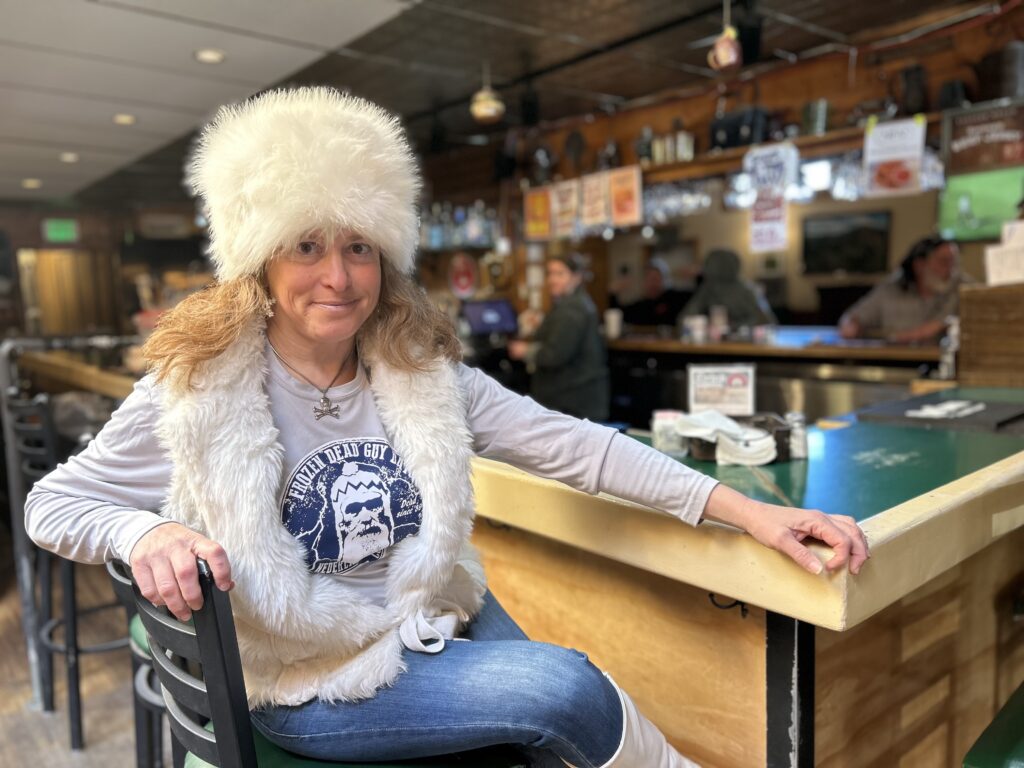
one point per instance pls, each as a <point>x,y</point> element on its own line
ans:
<point>307,428</point>
<point>722,286</point>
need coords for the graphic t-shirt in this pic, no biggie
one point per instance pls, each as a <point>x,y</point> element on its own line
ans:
<point>349,502</point>
<point>346,496</point>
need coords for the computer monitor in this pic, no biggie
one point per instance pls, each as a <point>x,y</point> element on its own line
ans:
<point>847,242</point>
<point>490,316</point>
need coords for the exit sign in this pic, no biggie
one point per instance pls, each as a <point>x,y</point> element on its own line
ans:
<point>60,230</point>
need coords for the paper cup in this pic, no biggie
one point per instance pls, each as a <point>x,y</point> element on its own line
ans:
<point>612,323</point>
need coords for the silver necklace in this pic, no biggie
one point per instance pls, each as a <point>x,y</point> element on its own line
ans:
<point>325,407</point>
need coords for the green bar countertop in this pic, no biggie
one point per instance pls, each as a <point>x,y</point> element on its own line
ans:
<point>865,468</point>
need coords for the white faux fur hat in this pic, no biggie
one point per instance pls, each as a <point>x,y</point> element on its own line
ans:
<point>286,162</point>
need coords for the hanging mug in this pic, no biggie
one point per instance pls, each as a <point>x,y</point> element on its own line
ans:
<point>725,53</point>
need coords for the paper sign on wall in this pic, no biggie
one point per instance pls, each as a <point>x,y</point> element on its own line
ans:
<point>893,154</point>
<point>594,206</point>
<point>566,198</point>
<point>772,170</point>
<point>537,214</point>
<point>626,196</point>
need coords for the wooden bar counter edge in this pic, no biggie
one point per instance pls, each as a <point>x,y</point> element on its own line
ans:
<point>911,543</point>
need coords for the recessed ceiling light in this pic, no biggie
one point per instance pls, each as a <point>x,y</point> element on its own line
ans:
<point>31,183</point>
<point>123,118</point>
<point>209,56</point>
<point>69,157</point>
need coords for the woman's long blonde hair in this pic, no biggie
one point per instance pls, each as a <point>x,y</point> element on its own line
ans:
<point>405,330</point>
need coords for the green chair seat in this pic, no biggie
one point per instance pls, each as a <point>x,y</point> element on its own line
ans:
<point>1001,745</point>
<point>270,755</point>
<point>138,636</point>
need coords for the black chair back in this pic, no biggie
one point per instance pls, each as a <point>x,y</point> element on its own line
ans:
<point>214,690</point>
<point>35,436</point>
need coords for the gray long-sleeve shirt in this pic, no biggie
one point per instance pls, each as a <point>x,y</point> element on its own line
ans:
<point>101,502</point>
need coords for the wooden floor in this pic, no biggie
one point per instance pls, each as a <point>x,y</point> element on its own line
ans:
<point>30,737</point>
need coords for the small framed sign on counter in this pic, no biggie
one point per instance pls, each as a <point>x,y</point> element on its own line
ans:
<point>728,389</point>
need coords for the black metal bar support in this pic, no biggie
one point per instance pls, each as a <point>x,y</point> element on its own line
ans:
<point>789,678</point>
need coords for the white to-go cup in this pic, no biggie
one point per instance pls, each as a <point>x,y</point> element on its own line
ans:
<point>696,328</point>
<point>612,323</point>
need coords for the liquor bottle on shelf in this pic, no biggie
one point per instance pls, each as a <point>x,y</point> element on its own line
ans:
<point>436,227</point>
<point>644,146</point>
<point>684,142</point>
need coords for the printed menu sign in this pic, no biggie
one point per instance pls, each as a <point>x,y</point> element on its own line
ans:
<point>728,389</point>
<point>594,207</point>
<point>893,154</point>
<point>772,169</point>
<point>626,196</point>
<point>537,214</point>
<point>566,196</point>
<point>985,139</point>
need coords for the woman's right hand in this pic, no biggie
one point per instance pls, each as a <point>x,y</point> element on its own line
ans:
<point>164,565</point>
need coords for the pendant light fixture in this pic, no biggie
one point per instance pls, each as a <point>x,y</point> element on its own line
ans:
<point>487,106</point>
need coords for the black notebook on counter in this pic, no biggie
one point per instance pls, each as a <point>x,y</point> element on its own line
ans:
<point>940,410</point>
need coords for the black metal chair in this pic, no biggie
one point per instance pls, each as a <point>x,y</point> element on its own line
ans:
<point>38,453</point>
<point>147,698</point>
<point>200,673</point>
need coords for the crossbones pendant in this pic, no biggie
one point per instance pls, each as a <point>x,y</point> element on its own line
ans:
<point>325,408</point>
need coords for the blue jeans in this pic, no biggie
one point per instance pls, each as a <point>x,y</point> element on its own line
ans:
<point>499,689</point>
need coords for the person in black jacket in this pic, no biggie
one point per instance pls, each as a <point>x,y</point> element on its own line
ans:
<point>570,370</point>
<point>660,304</point>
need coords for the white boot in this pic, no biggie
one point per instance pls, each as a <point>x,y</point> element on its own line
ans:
<point>642,745</point>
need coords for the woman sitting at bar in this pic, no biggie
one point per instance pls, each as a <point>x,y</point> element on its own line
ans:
<point>307,428</point>
<point>914,304</point>
<point>567,353</point>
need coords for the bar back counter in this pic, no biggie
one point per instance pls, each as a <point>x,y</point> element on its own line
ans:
<point>807,369</point>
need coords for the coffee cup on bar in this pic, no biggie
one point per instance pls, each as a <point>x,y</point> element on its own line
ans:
<point>612,323</point>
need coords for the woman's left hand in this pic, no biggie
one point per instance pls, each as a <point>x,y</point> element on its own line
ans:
<point>787,528</point>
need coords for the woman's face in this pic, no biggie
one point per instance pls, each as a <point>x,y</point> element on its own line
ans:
<point>324,291</point>
<point>561,280</point>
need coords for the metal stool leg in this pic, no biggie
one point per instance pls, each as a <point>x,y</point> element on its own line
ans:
<point>71,654</point>
<point>144,748</point>
<point>44,576</point>
<point>178,753</point>
<point>157,722</point>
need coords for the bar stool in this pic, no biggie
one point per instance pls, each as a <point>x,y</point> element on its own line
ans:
<point>36,445</point>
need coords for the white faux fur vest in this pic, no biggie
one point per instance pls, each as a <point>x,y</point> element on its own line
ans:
<point>304,635</point>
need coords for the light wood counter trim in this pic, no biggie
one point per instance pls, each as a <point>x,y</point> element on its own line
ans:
<point>911,543</point>
<point>65,369</point>
<point>745,349</point>
<point>716,558</point>
<point>915,542</point>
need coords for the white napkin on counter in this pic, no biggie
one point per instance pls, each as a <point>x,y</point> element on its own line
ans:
<point>736,443</point>
<point>708,425</point>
